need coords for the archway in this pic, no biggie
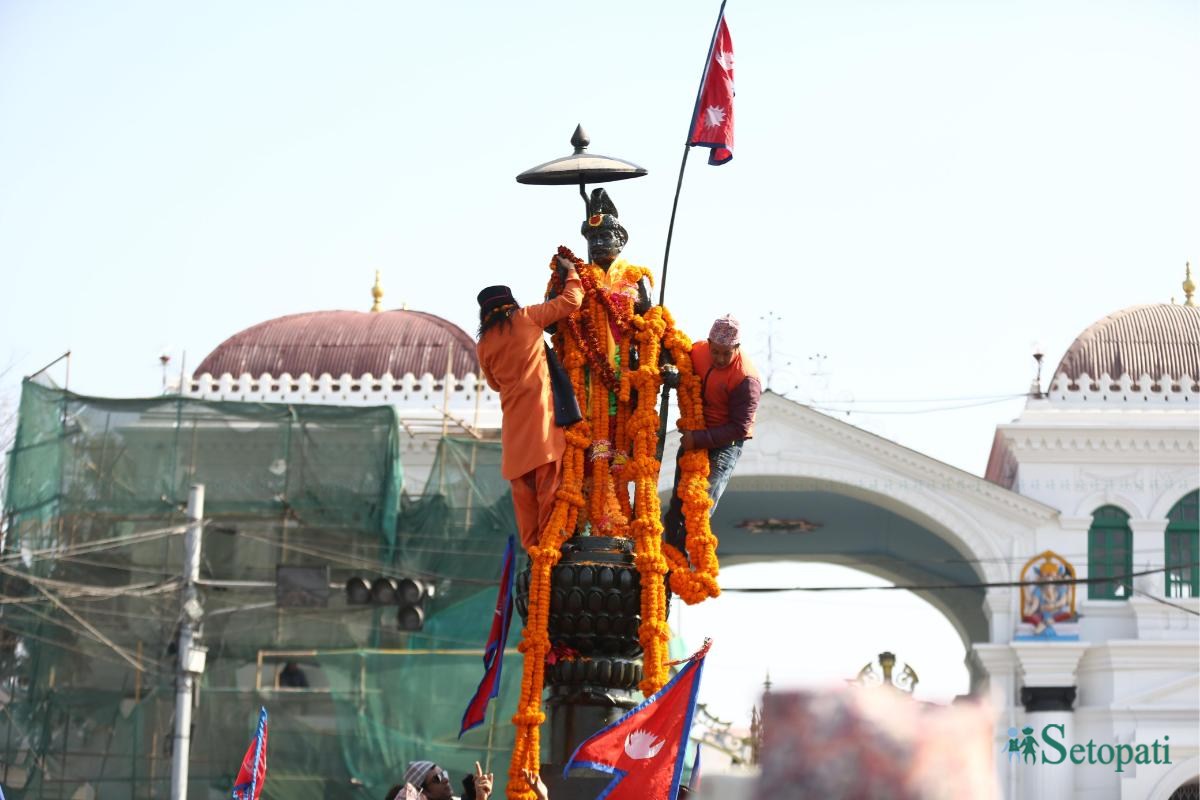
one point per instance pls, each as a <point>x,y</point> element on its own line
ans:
<point>772,518</point>
<point>810,488</point>
<point>815,640</point>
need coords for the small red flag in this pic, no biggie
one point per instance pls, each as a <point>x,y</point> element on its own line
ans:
<point>493,656</point>
<point>644,749</point>
<point>253,774</point>
<point>712,121</point>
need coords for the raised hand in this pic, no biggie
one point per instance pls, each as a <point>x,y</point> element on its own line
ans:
<point>564,265</point>
<point>483,783</point>
<point>535,783</point>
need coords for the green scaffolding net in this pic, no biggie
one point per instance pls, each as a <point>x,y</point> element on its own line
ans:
<point>90,598</point>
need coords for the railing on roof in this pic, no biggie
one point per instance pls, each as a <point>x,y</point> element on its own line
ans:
<point>1183,392</point>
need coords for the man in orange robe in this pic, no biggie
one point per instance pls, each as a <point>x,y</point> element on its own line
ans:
<point>512,355</point>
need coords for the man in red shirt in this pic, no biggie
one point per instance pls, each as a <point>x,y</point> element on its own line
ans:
<point>731,389</point>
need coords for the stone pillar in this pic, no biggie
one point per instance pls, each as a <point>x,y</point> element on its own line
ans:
<point>1048,689</point>
<point>1000,606</point>
<point>1048,711</point>
<point>1147,554</point>
<point>994,675</point>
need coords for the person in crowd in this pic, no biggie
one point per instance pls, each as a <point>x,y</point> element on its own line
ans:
<point>535,783</point>
<point>542,793</point>
<point>512,356</point>
<point>432,782</point>
<point>730,390</point>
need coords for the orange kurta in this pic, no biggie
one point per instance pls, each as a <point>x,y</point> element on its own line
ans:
<point>513,360</point>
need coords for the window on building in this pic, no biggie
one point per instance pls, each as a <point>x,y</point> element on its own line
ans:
<point>1110,555</point>
<point>1182,547</point>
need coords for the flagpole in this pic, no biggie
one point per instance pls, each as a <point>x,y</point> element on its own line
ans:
<point>664,406</point>
<point>487,759</point>
<point>662,289</point>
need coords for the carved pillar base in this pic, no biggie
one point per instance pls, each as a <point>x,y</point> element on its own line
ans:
<point>595,599</point>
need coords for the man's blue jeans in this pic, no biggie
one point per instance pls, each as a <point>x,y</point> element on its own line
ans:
<point>721,461</point>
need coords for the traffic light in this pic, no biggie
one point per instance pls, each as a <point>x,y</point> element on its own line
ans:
<point>407,594</point>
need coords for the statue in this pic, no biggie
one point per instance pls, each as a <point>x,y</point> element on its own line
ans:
<point>1047,598</point>
<point>595,624</point>
<point>616,350</point>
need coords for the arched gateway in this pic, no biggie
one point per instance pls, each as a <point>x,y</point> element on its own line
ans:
<point>809,487</point>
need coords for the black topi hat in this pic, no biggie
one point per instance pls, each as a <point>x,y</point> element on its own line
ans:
<point>494,296</point>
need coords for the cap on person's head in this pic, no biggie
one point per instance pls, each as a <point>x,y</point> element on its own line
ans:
<point>488,299</point>
<point>726,331</point>
<point>418,771</point>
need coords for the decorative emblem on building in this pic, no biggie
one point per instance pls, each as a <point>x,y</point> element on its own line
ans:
<point>1048,599</point>
<point>882,673</point>
<point>772,525</point>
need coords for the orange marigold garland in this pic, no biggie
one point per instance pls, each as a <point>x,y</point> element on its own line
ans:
<point>698,581</point>
<point>621,451</point>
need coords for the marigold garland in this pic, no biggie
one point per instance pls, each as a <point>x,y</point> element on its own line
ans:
<point>622,451</point>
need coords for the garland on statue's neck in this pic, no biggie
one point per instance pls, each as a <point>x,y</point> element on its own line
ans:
<point>584,333</point>
<point>618,457</point>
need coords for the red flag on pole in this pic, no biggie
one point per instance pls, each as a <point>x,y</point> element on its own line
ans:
<point>645,749</point>
<point>253,774</point>
<point>712,121</point>
<point>493,655</point>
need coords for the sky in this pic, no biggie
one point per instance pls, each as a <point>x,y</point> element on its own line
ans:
<point>922,192</point>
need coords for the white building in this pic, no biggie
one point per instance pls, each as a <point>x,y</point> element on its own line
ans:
<point>1112,446</point>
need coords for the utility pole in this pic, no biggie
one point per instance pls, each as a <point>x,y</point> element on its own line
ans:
<point>771,318</point>
<point>191,656</point>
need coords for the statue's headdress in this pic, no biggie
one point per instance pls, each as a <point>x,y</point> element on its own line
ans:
<point>602,213</point>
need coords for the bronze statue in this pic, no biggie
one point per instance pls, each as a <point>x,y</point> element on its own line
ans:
<point>606,523</point>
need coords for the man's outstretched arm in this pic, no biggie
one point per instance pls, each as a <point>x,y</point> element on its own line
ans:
<point>545,314</point>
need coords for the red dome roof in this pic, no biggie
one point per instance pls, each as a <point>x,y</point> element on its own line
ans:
<point>1155,339</point>
<point>346,342</point>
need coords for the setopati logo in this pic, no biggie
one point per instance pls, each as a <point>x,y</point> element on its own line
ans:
<point>1024,748</point>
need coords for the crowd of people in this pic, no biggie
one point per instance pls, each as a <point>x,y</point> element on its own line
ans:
<point>427,781</point>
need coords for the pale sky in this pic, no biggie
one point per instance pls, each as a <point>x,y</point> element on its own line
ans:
<point>814,640</point>
<point>920,191</point>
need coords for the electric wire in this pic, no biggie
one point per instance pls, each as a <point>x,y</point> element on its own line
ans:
<point>868,412</point>
<point>943,586</point>
<point>901,401</point>
<point>72,589</point>
<point>1176,606</point>
<point>100,545</point>
<point>84,632</point>
<point>357,563</point>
